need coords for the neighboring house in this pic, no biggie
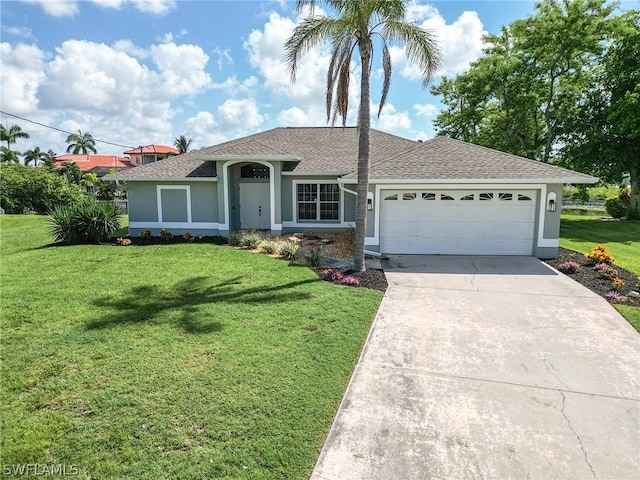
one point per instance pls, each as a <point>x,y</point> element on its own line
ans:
<point>442,196</point>
<point>150,154</point>
<point>98,164</point>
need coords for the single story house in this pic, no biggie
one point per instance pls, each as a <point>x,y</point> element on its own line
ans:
<point>441,196</point>
<point>94,163</point>
<point>150,153</point>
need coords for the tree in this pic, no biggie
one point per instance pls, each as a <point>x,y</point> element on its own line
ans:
<point>50,159</point>
<point>356,25</point>
<point>520,94</point>
<point>604,135</point>
<point>89,181</point>
<point>81,143</point>
<point>11,134</point>
<point>71,172</point>
<point>9,156</point>
<point>182,143</point>
<point>35,155</point>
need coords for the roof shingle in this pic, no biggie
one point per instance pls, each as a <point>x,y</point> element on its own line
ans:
<point>334,151</point>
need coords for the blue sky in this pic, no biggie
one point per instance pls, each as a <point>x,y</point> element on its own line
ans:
<point>135,72</point>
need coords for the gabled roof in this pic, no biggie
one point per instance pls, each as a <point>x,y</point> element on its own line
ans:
<point>444,158</point>
<point>90,161</point>
<point>334,151</point>
<point>151,149</point>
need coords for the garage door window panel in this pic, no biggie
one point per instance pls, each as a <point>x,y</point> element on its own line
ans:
<point>318,201</point>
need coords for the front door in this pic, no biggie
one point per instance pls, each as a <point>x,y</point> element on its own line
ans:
<point>255,211</point>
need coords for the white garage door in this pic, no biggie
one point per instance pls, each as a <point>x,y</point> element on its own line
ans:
<point>457,222</point>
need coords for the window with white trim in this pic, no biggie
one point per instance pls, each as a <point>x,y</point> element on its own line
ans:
<point>318,201</point>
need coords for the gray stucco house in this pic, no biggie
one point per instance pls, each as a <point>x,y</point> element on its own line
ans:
<point>442,196</point>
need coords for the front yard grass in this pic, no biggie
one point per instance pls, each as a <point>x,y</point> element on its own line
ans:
<point>582,233</point>
<point>169,361</point>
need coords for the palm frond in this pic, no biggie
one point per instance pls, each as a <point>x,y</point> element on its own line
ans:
<point>341,54</point>
<point>421,46</point>
<point>386,69</point>
<point>310,33</point>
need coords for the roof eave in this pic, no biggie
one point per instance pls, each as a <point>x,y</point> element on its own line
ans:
<point>524,181</point>
<point>160,179</point>
<point>248,158</point>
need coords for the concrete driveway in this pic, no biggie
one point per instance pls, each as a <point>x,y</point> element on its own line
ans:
<point>489,367</point>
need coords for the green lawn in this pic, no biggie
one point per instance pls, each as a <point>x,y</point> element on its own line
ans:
<point>582,233</point>
<point>169,361</point>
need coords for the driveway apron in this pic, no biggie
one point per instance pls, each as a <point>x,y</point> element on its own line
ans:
<point>489,367</point>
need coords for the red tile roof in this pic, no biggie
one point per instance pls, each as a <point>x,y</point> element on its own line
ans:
<point>87,162</point>
<point>150,149</point>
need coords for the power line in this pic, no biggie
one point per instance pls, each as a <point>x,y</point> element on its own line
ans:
<point>63,131</point>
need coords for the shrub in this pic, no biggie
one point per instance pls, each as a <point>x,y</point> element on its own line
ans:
<point>234,239</point>
<point>601,266</point>
<point>145,233</point>
<point>39,190</point>
<point>165,234</point>
<point>313,258</point>
<point>188,236</point>
<point>84,222</point>
<point>251,241</point>
<point>332,275</point>
<point>615,207</point>
<point>123,241</point>
<point>569,267</point>
<point>269,247</point>
<point>618,283</point>
<point>609,273</point>
<point>350,281</point>
<point>288,250</point>
<point>600,254</point>
<point>613,296</point>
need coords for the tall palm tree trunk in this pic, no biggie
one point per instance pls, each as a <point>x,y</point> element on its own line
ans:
<point>364,147</point>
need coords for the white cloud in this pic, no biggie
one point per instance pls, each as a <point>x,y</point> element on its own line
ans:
<point>58,8</point>
<point>21,73</point>
<point>241,115</point>
<point>460,42</point>
<point>69,8</point>
<point>128,47</point>
<point>231,85</point>
<point>224,57</point>
<point>417,12</point>
<point>183,68</point>
<point>204,130</point>
<point>390,119</point>
<point>102,89</point>
<point>266,53</point>
<point>421,135</point>
<point>157,7</point>
<point>428,110</point>
<point>20,32</point>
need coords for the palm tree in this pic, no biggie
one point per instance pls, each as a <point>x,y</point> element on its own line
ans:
<point>50,159</point>
<point>71,172</point>
<point>81,143</point>
<point>11,134</point>
<point>357,24</point>
<point>182,144</point>
<point>36,155</point>
<point>89,182</point>
<point>9,156</point>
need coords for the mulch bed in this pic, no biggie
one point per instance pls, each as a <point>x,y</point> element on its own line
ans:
<point>588,277</point>
<point>373,279</point>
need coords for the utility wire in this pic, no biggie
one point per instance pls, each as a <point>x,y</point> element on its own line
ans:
<point>63,131</point>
